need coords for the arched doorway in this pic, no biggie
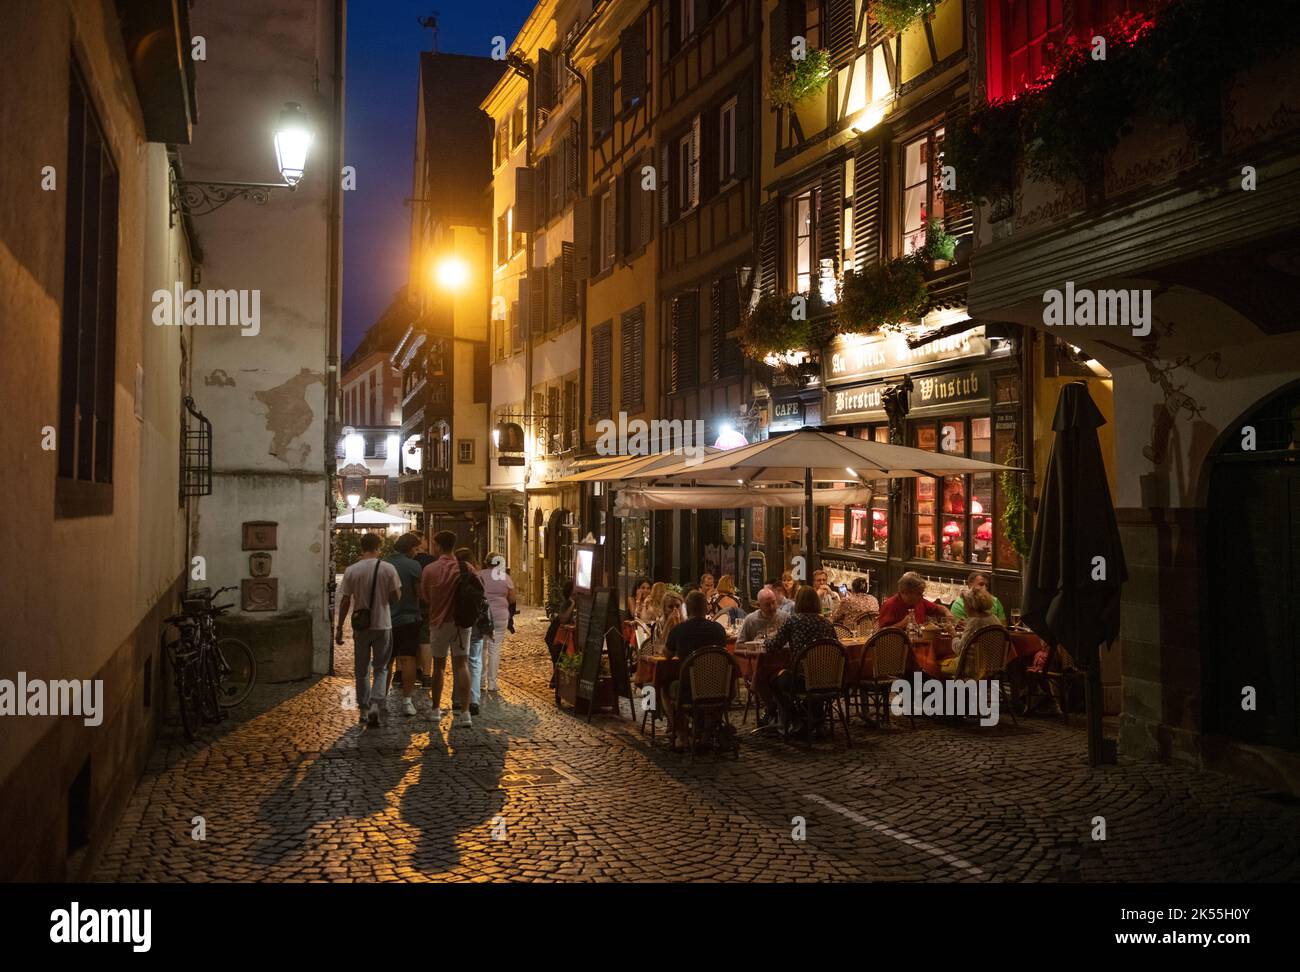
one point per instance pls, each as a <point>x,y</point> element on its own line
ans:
<point>1253,531</point>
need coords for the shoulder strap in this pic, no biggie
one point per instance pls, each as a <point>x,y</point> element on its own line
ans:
<point>373,581</point>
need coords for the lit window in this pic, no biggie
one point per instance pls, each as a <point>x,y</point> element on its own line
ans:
<point>922,192</point>
<point>727,143</point>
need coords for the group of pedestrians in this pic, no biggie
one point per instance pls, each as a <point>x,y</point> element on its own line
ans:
<point>413,611</point>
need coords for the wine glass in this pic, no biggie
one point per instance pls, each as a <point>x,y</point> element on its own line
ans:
<point>1015,617</point>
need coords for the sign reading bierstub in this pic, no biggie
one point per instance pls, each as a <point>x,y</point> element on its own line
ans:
<point>850,358</point>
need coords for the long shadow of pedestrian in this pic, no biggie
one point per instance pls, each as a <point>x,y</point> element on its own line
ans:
<point>456,802</point>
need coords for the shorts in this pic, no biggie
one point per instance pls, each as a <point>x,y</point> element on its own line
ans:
<point>446,637</point>
<point>406,640</point>
<point>424,631</point>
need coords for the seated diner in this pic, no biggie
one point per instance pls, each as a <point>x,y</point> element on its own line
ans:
<point>909,603</point>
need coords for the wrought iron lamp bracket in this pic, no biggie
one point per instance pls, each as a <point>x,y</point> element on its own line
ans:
<point>201,198</point>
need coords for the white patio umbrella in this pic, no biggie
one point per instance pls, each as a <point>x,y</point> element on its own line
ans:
<point>623,468</point>
<point>809,455</point>
<point>362,517</point>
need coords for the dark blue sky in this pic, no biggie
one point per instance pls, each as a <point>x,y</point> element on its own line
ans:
<point>384,45</point>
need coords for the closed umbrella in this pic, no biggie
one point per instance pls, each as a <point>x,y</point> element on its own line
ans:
<point>1076,566</point>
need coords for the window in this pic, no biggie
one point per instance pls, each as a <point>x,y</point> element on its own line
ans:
<point>688,168</point>
<point>953,516</point>
<point>503,238</point>
<point>89,327</point>
<point>922,182</point>
<point>602,367</point>
<point>863,528</point>
<point>607,230</point>
<point>518,125</point>
<point>685,20</point>
<point>633,363</point>
<point>570,416</point>
<point>812,23</point>
<point>801,218</point>
<point>516,234</point>
<point>727,142</point>
<point>465,451</point>
<point>502,142</point>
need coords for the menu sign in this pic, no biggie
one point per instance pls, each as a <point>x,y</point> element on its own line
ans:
<point>852,358</point>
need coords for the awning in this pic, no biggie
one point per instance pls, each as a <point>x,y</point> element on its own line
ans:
<point>734,497</point>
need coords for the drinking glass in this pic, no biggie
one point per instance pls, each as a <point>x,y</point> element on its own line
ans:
<point>1015,617</point>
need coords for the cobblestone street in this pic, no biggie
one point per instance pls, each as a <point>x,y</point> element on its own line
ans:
<point>293,789</point>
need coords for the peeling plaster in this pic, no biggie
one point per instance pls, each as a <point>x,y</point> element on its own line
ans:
<point>288,415</point>
<point>219,378</point>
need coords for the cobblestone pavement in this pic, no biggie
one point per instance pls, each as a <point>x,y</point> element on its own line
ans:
<point>293,789</point>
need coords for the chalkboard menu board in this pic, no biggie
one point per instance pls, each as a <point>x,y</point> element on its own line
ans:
<point>602,634</point>
<point>757,573</point>
<point>593,643</point>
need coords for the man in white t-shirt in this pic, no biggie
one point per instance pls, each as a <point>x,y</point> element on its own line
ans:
<point>500,591</point>
<point>371,644</point>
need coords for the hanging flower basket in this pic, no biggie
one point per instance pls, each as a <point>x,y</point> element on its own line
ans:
<point>799,79</point>
<point>881,295</point>
<point>898,15</point>
<point>770,328</point>
<point>984,151</point>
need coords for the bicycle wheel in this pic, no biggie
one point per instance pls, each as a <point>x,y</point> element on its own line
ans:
<point>236,666</point>
<point>187,699</point>
<point>208,681</point>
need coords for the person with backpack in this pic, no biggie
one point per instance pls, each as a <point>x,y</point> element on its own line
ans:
<point>467,585</point>
<point>500,591</point>
<point>439,589</point>
<point>369,587</point>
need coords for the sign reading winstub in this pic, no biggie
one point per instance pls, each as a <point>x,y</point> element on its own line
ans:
<point>851,358</point>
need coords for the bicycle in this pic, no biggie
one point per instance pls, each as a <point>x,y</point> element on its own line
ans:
<point>212,673</point>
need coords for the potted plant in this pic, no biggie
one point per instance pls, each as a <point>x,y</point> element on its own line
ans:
<point>799,78</point>
<point>566,684</point>
<point>898,15</point>
<point>881,295</point>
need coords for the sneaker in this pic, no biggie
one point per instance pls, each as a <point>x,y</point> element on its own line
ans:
<point>473,708</point>
<point>455,707</point>
<point>465,720</point>
<point>436,715</point>
<point>408,707</point>
<point>373,718</point>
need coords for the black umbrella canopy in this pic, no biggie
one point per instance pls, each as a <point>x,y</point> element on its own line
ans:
<point>1076,564</point>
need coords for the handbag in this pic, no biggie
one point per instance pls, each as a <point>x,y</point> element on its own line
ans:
<point>361,616</point>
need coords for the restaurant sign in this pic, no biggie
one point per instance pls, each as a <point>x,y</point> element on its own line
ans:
<point>851,358</point>
<point>930,394</point>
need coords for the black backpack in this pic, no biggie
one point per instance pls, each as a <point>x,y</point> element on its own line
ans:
<point>469,602</point>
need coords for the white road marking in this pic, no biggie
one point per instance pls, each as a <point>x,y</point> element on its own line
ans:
<point>906,838</point>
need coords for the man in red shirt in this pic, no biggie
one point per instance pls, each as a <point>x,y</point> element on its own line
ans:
<point>437,591</point>
<point>909,602</point>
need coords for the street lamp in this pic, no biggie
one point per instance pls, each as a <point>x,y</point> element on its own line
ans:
<point>353,500</point>
<point>452,273</point>
<point>293,138</point>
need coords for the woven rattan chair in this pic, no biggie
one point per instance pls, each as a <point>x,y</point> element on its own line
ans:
<point>890,651</point>
<point>822,666</point>
<point>1054,682</point>
<point>844,631</point>
<point>986,658</point>
<point>712,675</point>
<point>865,625</point>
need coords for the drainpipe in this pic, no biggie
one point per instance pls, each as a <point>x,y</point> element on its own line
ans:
<point>334,274</point>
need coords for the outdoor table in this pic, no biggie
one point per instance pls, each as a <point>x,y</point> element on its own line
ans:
<point>928,655</point>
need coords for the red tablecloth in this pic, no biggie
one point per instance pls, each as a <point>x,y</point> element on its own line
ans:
<point>1026,644</point>
<point>564,639</point>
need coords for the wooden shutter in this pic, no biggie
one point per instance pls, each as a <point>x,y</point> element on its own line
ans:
<point>645,202</point>
<point>684,367</point>
<point>633,361</point>
<point>545,80</point>
<point>958,218</point>
<point>778,34</point>
<point>569,284</point>
<point>602,369</point>
<point>868,209</point>
<point>717,330</point>
<point>830,214</point>
<point>708,147</point>
<point>840,30</point>
<point>724,320</point>
<point>583,244</point>
<point>619,188</point>
<point>525,200</point>
<point>665,183</point>
<point>555,178</point>
<point>602,97</point>
<point>632,51</point>
<point>745,129</point>
<point>554,294</point>
<point>769,249</point>
<point>572,150</point>
<point>537,302</point>
<point>542,193</point>
<point>516,339</point>
<point>631,183</point>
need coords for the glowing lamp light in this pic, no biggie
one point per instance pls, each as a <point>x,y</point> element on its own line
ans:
<point>878,516</point>
<point>951,529</point>
<point>868,118</point>
<point>984,531</point>
<point>354,499</point>
<point>496,438</point>
<point>729,438</point>
<point>354,448</point>
<point>452,273</point>
<point>293,137</point>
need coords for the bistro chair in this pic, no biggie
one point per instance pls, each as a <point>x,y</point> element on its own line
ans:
<point>822,666</point>
<point>986,658</point>
<point>711,674</point>
<point>1053,682</point>
<point>843,631</point>
<point>890,652</point>
<point>865,625</point>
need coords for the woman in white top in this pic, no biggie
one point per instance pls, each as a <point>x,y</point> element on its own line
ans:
<point>500,591</point>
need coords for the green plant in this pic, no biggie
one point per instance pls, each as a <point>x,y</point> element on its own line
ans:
<point>569,664</point>
<point>939,243</point>
<point>898,15</point>
<point>881,294</point>
<point>1013,504</point>
<point>770,327</point>
<point>375,503</point>
<point>555,599</point>
<point>984,150</point>
<point>347,547</point>
<point>799,78</point>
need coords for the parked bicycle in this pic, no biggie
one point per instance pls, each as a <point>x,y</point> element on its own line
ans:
<point>212,673</point>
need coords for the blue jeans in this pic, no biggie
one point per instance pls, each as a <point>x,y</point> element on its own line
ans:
<point>475,669</point>
<point>370,657</point>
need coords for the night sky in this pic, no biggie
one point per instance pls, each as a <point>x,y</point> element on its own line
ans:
<point>384,44</point>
